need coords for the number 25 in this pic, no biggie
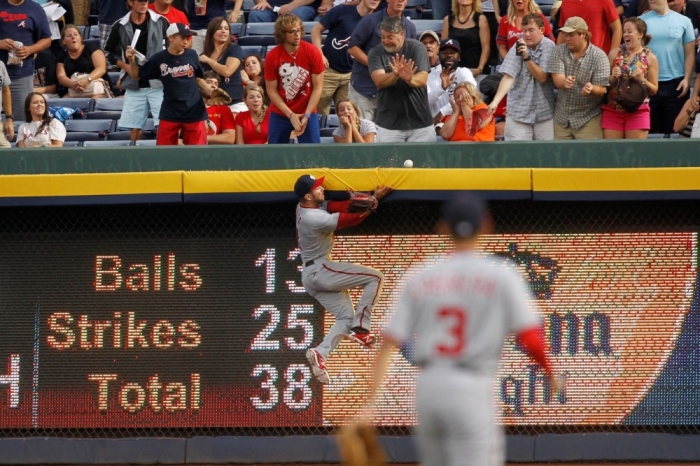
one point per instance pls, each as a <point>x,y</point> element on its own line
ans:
<point>457,330</point>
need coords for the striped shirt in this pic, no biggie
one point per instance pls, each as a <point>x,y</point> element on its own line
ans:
<point>572,108</point>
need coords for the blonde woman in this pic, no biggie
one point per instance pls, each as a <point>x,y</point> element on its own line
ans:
<point>468,26</point>
<point>353,128</point>
<point>252,126</point>
<point>465,102</point>
<point>510,29</point>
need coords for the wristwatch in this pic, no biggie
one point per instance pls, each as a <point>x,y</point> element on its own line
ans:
<point>89,78</point>
<point>527,59</point>
<point>307,116</point>
<point>9,117</point>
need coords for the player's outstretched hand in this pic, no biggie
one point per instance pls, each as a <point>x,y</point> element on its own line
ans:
<point>382,191</point>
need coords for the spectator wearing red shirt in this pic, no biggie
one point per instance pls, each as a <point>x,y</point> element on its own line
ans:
<point>172,14</point>
<point>252,126</point>
<point>600,16</point>
<point>510,29</point>
<point>294,80</point>
<point>221,129</point>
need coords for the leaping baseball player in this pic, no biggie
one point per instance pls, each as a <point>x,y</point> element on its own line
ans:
<point>460,311</point>
<point>329,281</point>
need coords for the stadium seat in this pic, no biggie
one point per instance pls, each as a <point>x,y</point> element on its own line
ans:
<point>248,5</point>
<point>237,29</point>
<point>308,26</point>
<point>327,140</point>
<point>327,132</point>
<point>332,121</point>
<point>112,105</point>
<point>103,115</point>
<point>83,103</point>
<point>146,142</point>
<point>112,143</point>
<point>260,29</point>
<point>119,136</point>
<point>71,143</point>
<point>268,48</point>
<point>253,50</point>
<point>423,25</point>
<point>94,42</point>
<point>83,136</point>
<point>96,126</point>
<point>257,40</point>
<point>545,6</point>
<point>83,30</point>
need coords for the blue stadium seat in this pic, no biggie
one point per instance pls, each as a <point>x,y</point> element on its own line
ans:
<point>237,29</point>
<point>146,142</point>
<point>83,30</point>
<point>258,50</point>
<point>327,140</point>
<point>93,32</point>
<point>96,126</point>
<point>83,136</point>
<point>545,6</point>
<point>113,105</point>
<point>257,40</point>
<point>308,26</point>
<point>423,25</point>
<point>332,121</point>
<point>103,115</point>
<point>82,103</point>
<point>72,143</point>
<point>327,132</point>
<point>260,29</point>
<point>268,48</point>
<point>112,143</point>
<point>119,136</point>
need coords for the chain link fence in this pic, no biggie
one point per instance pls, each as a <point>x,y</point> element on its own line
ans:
<point>178,321</point>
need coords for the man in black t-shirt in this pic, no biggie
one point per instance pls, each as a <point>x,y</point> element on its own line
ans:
<point>178,68</point>
<point>399,68</point>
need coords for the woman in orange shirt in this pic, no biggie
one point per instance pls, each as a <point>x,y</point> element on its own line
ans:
<point>469,120</point>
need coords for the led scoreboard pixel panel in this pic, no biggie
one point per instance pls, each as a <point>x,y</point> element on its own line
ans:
<point>207,332</point>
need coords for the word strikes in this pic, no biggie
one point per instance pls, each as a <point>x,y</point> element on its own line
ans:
<point>111,276</point>
<point>159,396</point>
<point>122,332</point>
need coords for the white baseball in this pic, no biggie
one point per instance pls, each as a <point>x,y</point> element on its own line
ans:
<point>408,163</point>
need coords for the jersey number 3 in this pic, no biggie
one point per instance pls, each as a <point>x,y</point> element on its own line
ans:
<point>457,321</point>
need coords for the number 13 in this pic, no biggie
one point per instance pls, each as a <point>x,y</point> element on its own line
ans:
<point>457,330</point>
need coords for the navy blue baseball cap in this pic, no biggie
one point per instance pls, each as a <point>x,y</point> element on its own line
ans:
<point>464,215</point>
<point>179,28</point>
<point>450,43</point>
<point>307,183</point>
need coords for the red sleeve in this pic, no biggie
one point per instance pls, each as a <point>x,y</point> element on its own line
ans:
<point>227,121</point>
<point>502,37</point>
<point>610,12</point>
<point>337,206</point>
<point>347,220</point>
<point>533,342</point>
<point>272,64</point>
<point>547,28</point>
<point>315,60</point>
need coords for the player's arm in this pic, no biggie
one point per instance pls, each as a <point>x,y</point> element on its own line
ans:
<point>532,340</point>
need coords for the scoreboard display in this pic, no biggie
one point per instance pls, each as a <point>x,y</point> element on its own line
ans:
<point>165,331</point>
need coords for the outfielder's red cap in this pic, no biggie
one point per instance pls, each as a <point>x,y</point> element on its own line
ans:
<point>307,183</point>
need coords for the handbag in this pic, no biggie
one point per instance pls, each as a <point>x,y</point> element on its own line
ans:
<point>630,94</point>
<point>96,87</point>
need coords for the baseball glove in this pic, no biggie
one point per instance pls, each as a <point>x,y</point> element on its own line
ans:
<point>359,446</point>
<point>361,203</point>
<point>219,97</point>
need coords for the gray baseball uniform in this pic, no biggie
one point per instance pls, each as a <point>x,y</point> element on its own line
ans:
<point>460,311</point>
<point>329,281</point>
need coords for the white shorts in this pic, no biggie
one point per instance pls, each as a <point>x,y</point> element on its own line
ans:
<point>239,107</point>
<point>137,103</point>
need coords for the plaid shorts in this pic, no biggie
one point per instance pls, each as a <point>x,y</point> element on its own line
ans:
<point>105,29</point>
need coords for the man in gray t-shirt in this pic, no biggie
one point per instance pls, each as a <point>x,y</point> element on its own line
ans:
<point>399,67</point>
<point>6,102</point>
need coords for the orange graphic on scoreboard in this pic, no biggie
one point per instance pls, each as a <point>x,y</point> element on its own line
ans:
<point>612,304</point>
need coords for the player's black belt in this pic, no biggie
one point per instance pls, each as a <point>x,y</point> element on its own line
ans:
<point>309,264</point>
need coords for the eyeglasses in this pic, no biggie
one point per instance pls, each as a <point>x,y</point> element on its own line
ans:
<point>294,31</point>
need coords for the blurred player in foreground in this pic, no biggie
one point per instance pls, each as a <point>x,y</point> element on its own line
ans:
<point>329,281</point>
<point>459,312</point>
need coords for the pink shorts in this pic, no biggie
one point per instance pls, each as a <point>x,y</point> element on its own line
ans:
<point>620,120</point>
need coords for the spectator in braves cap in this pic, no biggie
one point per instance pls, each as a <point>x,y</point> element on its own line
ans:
<point>179,70</point>
<point>443,79</point>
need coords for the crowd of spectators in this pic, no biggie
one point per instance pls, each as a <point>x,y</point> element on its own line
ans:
<point>496,69</point>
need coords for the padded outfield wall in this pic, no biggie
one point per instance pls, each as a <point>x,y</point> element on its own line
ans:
<point>152,310</point>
